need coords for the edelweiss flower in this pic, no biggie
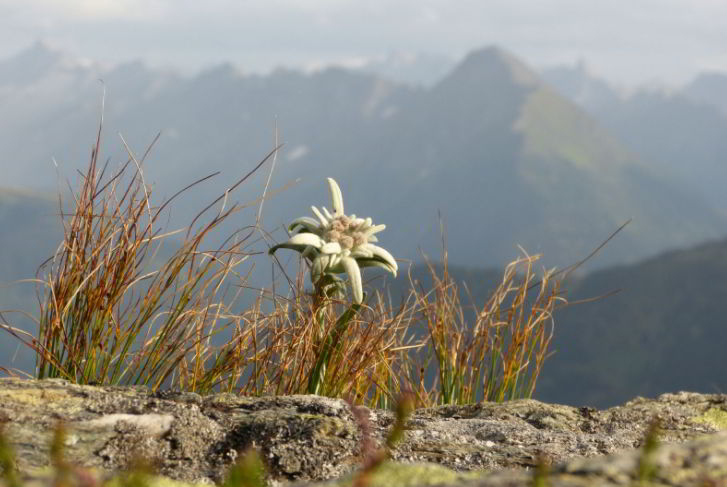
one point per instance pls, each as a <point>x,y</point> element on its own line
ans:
<point>337,243</point>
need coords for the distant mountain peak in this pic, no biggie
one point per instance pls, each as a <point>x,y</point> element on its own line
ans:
<point>493,60</point>
<point>44,55</point>
<point>36,61</point>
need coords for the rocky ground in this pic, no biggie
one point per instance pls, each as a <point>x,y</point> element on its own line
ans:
<point>310,439</point>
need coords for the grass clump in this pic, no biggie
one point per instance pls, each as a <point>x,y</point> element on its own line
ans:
<point>500,354</point>
<point>112,313</point>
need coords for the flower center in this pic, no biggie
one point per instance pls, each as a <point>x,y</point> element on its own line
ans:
<point>344,231</point>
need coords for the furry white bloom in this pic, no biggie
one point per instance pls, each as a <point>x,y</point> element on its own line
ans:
<point>336,243</point>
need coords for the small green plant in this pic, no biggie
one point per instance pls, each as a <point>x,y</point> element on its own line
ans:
<point>541,473</point>
<point>646,469</point>
<point>7,462</point>
<point>63,471</point>
<point>374,458</point>
<point>248,471</point>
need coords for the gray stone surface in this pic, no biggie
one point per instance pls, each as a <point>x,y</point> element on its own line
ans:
<point>304,439</point>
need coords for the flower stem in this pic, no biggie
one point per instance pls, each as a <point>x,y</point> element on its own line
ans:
<point>330,342</point>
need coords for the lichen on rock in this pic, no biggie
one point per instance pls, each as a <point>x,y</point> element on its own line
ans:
<point>310,439</point>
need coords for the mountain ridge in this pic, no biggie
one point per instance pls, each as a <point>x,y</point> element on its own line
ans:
<point>682,131</point>
<point>489,142</point>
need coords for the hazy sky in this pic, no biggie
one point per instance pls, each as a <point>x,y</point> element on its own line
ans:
<point>629,41</point>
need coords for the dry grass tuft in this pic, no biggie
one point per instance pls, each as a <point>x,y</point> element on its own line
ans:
<point>500,354</point>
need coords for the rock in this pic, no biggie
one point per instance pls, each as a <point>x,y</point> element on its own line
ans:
<point>194,439</point>
<point>697,463</point>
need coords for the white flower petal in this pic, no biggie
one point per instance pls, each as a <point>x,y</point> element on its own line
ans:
<point>374,229</point>
<point>318,215</point>
<point>376,263</point>
<point>306,223</point>
<point>306,239</point>
<point>384,255</point>
<point>336,197</point>
<point>362,252</point>
<point>331,248</point>
<point>354,275</point>
<point>298,247</point>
